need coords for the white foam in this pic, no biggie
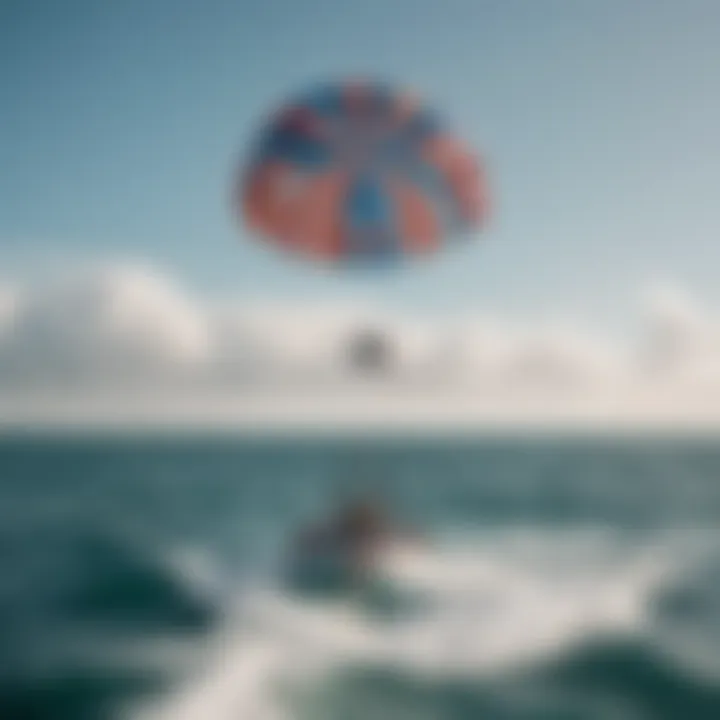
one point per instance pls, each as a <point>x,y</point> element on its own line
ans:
<point>492,605</point>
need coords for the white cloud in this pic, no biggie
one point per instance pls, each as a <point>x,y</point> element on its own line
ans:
<point>127,342</point>
<point>102,326</point>
<point>683,339</point>
<point>556,356</point>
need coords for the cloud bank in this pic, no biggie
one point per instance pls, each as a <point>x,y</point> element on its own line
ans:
<point>127,344</point>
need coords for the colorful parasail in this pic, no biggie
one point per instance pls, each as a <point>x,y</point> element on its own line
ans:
<point>359,172</point>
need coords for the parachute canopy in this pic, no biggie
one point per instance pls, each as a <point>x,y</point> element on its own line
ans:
<point>357,171</point>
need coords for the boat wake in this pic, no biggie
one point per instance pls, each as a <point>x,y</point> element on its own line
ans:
<point>470,609</point>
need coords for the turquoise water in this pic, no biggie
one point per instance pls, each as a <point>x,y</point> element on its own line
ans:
<point>563,579</point>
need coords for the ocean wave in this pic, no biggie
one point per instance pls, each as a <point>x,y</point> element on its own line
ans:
<point>492,607</point>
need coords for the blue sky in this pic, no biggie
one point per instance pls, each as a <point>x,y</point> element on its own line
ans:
<point>122,121</point>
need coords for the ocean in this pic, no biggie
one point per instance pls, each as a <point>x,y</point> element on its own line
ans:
<point>573,578</point>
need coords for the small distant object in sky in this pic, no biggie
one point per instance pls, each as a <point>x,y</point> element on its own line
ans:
<point>358,173</point>
<point>370,352</point>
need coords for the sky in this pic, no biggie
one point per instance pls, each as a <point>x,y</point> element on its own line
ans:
<point>599,124</point>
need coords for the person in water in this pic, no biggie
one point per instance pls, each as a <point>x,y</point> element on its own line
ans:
<point>362,527</point>
<point>358,531</point>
